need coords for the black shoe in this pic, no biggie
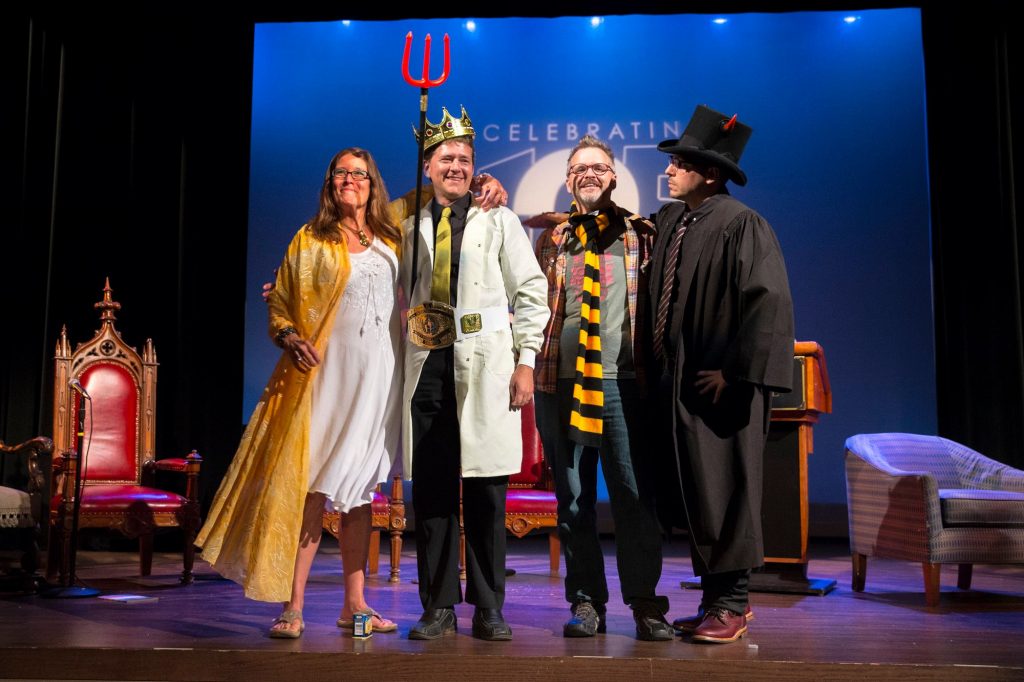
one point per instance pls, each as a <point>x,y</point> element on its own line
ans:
<point>651,625</point>
<point>434,624</point>
<point>585,621</point>
<point>490,625</point>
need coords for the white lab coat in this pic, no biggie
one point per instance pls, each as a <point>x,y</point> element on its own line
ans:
<point>497,267</point>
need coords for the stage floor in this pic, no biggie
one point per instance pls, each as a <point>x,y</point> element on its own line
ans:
<point>209,631</point>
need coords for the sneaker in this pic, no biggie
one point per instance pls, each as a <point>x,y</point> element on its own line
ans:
<point>585,621</point>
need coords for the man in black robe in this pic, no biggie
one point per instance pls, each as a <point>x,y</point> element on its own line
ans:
<point>722,330</point>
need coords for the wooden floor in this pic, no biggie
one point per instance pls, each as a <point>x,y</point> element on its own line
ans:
<point>208,631</point>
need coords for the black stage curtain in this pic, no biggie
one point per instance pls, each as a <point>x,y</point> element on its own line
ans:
<point>129,146</point>
<point>125,145</point>
<point>974,78</point>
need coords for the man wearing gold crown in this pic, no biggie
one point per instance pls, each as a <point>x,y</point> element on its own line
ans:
<point>467,373</point>
<point>591,395</point>
<point>722,321</point>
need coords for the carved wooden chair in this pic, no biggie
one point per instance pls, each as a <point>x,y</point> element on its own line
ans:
<point>21,508</point>
<point>530,502</point>
<point>118,460</point>
<point>388,516</point>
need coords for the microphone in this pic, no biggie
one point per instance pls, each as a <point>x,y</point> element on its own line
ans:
<point>79,388</point>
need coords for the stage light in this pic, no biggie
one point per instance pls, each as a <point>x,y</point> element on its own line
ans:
<point>596,21</point>
<point>720,21</point>
<point>851,19</point>
<point>470,25</point>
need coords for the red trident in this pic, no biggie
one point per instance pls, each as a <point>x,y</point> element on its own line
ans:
<point>423,84</point>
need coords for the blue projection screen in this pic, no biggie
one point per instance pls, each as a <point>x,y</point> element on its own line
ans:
<point>837,162</point>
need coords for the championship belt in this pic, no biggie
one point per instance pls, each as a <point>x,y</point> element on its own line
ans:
<point>431,325</point>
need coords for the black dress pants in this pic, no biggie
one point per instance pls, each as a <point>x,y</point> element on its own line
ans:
<point>436,473</point>
<point>727,590</point>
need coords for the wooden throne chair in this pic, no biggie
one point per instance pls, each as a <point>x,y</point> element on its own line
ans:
<point>118,462</point>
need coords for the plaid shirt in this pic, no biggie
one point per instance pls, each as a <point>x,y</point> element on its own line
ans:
<point>550,251</point>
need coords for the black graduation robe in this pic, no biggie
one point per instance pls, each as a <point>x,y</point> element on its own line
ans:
<point>732,312</point>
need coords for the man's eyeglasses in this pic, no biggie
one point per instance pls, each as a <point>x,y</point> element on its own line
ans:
<point>582,168</point>
<point>682,164</point>
<point>357,175</point>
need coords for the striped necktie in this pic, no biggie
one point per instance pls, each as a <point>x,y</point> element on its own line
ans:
<point>667,285</point>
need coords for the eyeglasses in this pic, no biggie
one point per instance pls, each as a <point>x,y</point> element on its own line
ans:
<point>582,168</point>
<point>682,164</point>
<point>357,175</point>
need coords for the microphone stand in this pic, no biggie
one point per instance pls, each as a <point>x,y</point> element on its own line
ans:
<point>71,591</point>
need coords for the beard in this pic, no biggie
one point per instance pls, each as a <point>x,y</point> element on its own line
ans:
<point>591,197</point>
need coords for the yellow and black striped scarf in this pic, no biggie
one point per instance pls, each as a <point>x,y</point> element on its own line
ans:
<point>586,422</point>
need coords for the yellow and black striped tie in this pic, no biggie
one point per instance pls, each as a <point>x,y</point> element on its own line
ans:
<point>586,423</point>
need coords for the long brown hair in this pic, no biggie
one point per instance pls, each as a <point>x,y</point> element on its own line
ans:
<point>378,216</point>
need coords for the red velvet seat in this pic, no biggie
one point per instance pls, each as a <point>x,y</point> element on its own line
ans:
<point>529,502</point>
<point>118,462</point>
<point>118,499</point>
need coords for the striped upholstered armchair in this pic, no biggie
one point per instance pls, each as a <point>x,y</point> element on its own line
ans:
<point>934,501</point>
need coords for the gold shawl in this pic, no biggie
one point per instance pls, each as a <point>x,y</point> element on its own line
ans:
<point>252,531</point>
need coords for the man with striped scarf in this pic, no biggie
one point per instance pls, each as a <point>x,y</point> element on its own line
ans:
<point>590,395</point>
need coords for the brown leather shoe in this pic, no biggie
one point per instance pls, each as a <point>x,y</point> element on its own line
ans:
<point>685,626</point>
<point>720,626</point>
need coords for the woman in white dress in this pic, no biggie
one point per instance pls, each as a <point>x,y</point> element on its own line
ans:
<point>327,433</point>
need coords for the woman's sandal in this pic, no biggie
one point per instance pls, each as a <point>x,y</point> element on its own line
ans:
<point>288,617</point>
<point>348,624</point>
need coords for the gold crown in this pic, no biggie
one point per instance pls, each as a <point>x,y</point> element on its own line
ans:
<point>449,127</point>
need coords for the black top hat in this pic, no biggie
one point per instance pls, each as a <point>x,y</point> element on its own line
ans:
<point>714,138</point>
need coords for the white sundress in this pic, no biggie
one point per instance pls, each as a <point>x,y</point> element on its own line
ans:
<point>355,421</point>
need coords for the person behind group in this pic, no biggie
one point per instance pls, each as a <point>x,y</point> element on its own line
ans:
<point>591,396</point>
<point>465,380</point>
<point>326,428</point>
<point>722,335</point>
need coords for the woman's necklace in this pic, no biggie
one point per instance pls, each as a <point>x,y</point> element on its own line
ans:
<point>364,241</point>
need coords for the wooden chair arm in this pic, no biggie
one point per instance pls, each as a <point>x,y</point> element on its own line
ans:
<point>189,465</point>
<point>33,447</point>
<point>176,464</point>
